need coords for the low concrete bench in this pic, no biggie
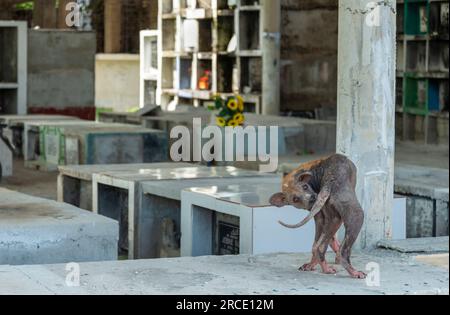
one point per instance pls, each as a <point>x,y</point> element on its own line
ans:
<point>75,181</point>
<point>40,231</point>
<point>118,194</point>
<point>238,219</point>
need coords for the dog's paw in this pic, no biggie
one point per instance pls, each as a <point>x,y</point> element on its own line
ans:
<point>308,267</point>
<point>358,274</point>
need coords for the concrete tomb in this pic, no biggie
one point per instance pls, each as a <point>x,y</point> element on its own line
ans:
<point>15,124</point>
<point>51,144</point>
<point>427,194</point>
<point>119,195</point>
<point>40,231</point>
<point>75,181</point>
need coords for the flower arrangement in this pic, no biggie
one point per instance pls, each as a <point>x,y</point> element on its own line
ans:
<point>230,111</point>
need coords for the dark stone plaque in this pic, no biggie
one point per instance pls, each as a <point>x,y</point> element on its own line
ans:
<point>228,238</point>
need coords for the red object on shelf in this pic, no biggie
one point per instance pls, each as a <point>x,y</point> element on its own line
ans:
<point>204,81</point>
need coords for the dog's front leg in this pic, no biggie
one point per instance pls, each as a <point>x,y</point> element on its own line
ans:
<point>311,266</point>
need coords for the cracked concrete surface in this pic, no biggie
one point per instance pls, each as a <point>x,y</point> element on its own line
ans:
<point>373,6</point>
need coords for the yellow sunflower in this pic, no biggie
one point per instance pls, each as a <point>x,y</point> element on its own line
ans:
<point>233,123</point>
<point>221,121</point>
<point>232,104</point>
<point>239,118</point>
<point>240,103</point>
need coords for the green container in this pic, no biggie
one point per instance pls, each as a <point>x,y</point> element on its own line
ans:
<point>415,95</point>
<point>421,95</point>
<point>416,17</point>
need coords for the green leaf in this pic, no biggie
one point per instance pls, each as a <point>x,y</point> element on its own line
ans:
<point>218,102</point>
<point>27,5</point>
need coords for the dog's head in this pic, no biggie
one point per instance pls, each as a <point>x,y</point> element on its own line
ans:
<point>296,191</point>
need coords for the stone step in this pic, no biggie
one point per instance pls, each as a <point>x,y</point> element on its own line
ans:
<point>417,245</point>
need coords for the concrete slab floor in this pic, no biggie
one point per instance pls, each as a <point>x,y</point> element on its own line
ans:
<point>265,274</point>
<point>440,260</point>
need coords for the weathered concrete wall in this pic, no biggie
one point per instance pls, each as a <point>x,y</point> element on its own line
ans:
<point>309,32</point>
<point>61,72</point>
<point>117,81</point>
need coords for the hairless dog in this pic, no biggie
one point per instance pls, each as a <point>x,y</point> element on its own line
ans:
<point>326,188</point>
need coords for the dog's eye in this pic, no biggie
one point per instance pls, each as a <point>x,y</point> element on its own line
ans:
<point>305,187</point>
<point>296,200</point>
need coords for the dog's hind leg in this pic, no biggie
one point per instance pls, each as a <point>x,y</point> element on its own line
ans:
<point>353,221</point>
<point>336,247</point>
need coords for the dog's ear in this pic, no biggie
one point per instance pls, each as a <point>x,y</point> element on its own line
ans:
<point>303,176</point>
<point>278,200</point>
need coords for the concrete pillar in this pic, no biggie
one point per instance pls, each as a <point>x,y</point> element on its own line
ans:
<point>62,13</point>
<point>271,24</point>
<point>113,26</point>
<point>366,107</point>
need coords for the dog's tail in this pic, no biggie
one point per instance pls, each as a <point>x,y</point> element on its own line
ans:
<point>318,205</point>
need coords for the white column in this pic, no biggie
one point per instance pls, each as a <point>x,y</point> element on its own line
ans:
<point>366,107</point>
<point>22,66</point>
<point>271,37</point>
